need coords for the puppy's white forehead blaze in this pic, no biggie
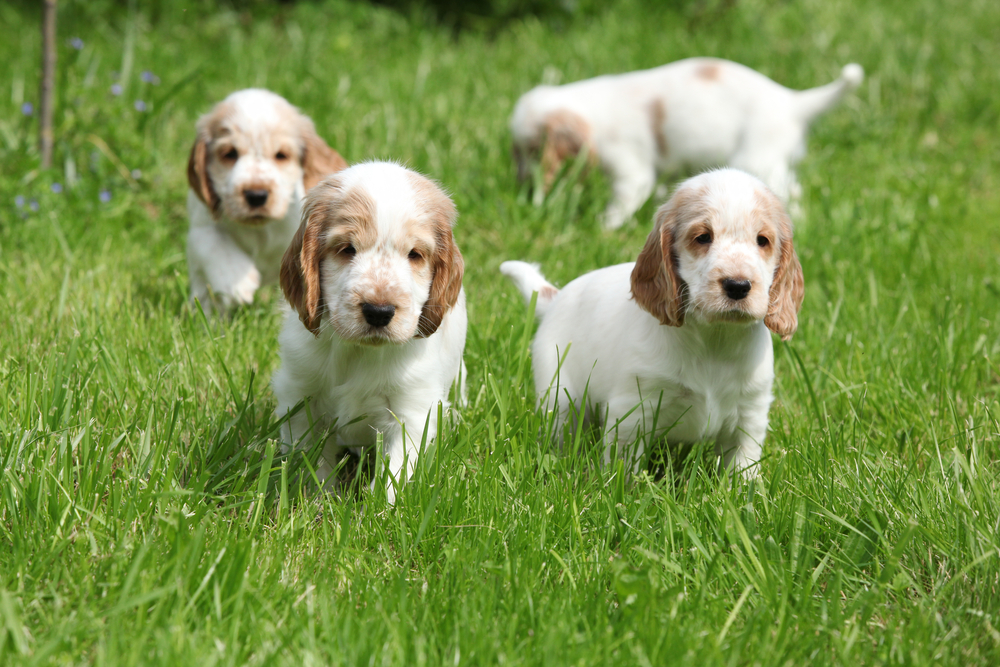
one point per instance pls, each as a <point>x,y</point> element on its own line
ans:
<point>391,192</point>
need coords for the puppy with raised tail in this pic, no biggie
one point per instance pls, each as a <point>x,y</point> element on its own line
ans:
<point>253,161</point>
<point>376,330</point>
<point>680,337</point>
<point>691,114</point>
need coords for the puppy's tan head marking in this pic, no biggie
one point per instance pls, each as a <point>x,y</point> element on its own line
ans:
<point>446,261</point>
<point>788,286</point>
<point>565,135</point>
<point>332,221</point>
<point>656,284</point>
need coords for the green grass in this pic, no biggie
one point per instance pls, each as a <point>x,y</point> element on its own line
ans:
<point>145,517</point>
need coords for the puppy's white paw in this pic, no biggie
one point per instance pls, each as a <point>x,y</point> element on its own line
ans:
<point>243,290</point>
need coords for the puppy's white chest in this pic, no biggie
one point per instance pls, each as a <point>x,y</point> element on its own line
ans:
<point>689,415</point>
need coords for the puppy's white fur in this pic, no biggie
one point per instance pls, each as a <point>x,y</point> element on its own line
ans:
<point>664,336</point>
<point>375,235</point>
<point>691,114</point>
<point>253,160</point>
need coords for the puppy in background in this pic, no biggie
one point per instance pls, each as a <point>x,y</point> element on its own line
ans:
<point>253,161</point>
<point>680,337</point>
<point>692,114</point>
<point>377,328</point>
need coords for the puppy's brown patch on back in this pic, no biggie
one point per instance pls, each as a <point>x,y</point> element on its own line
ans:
<point>708,72</point>
<point>657,117</point>
<point>565,134</point>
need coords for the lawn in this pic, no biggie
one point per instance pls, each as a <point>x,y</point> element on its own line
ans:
<point>146,516</point>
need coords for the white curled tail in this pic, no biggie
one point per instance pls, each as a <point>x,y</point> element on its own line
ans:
<point>528,280</point>
<point>816,101</point>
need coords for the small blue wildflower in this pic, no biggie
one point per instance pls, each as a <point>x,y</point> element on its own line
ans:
<point>137,174</point>
<point>140,105</point>
<point>76,43</point>
<point>149,77</point>
<point>116,89</point>
<point>104,196</point>
<point>27,108</point>
<point>33,204</point>
<point>19,201</point>
<point>57,188</point>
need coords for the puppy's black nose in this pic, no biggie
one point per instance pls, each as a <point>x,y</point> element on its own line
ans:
<point>378,315</point>
<point>255,197</point>
<point>736,289</point>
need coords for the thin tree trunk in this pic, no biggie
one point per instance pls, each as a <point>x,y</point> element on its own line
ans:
<point>48,81</point>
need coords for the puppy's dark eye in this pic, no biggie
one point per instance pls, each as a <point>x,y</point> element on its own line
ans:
<point>703,239</point>
<point>281,155</point>
<point>349,250</point>
<point>414,255</point>
<point>231,154</point>
<point>762,241</point>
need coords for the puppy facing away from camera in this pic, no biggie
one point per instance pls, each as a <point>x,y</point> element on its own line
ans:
<point>676,343</point>
<point>253,160</point>
<point>692,114</point>
<point>376,331</point>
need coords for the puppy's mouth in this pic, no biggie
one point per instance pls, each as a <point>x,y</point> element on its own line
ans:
<point>371,336</point>
<point>375,338</point>
<point>726,309</point>
<point>255,220</point>
<point>736,315</point>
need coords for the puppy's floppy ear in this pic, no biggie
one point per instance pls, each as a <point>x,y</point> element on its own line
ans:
<point>447,265</point>
<point>318,159</point>
<point>197,173</point>
<point>656,285</point>
<point>300,277</point>
<point>787,288</point>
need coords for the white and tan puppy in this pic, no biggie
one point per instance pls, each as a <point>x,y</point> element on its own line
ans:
<point>253,161</point>
<point>692,114</point>
<point>681,334</point>
<point>377,328</point>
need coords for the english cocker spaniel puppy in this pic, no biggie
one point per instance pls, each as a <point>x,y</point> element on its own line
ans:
<point>376,331</point>
<point>691,114</point>
<point>677,343</point>
<point>253,160</point>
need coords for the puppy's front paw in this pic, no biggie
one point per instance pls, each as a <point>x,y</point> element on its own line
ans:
<point>243,290</point>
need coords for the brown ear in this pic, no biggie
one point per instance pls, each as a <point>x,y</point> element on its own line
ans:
<point>448,267</point>
<point>787,288</point>
<point>300,277</point>
<point>656,285</point>
<point>318,159</point>
<point>198,174</point>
